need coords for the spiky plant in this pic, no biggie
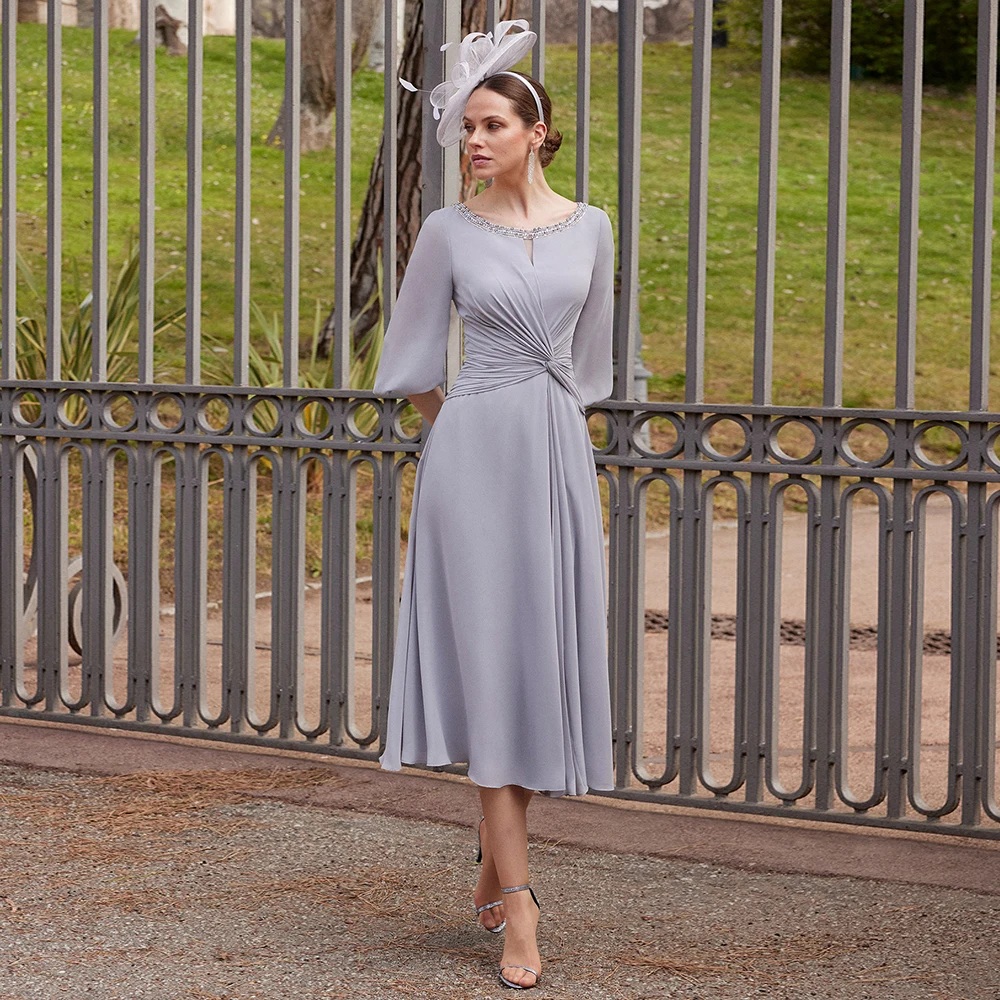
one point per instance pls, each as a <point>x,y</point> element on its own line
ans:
<point>266,365</point>
<point>76,329</point>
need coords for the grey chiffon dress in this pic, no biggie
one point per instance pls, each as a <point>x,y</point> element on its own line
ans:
<point>500,656</point>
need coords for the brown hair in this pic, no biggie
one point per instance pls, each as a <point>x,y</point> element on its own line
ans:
<point>525,108</point>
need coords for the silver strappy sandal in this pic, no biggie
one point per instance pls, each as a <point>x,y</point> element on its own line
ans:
<point>534,972</point>
<point>486,906</point>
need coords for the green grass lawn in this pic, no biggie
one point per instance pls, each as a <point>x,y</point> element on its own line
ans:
<point>946,207</point>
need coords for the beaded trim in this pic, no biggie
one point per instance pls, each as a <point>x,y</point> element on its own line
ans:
<point>524,234</point>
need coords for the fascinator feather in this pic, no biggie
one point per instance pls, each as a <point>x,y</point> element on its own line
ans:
<point>480,54</point>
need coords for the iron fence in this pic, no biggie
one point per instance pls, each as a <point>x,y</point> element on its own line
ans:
<point>84,638</point>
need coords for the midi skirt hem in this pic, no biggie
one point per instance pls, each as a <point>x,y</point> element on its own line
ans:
<point>550,792</point>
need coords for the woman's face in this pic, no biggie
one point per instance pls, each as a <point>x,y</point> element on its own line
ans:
<point>495,137</point>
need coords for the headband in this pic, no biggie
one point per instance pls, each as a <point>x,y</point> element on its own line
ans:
<point>527,83</point>
<point>479,56</point>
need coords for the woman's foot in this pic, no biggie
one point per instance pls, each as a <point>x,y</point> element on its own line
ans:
<point>520,946</point>
<point>488,889</point>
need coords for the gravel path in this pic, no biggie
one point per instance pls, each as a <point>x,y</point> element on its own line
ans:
<point>201,884</point>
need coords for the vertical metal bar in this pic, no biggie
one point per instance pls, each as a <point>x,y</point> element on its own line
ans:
<point>133,665</point>
<point>701,79</point>
<point>385,545</point>
<point>339,594</point>
<point>628,619</point>
<point>144,581</point>
<point>439,174</point>
<point>99,263</point>
<point>432,157</point>
<point>769,646</point>
<point>629,164</point>
<point>96,576</point>
<point>189,580</point>
<point>538,50</point>
<point>677,587</point>
<point>988,677</point>
<point>326,674</point>
<point>767,189</point>
<point>347,561</point>
<point>915,659</point>
<point>698,705</point>
<point>287,613</point>
<point>51,530</point>
<point>754,628</point>
<point>239,578</point>
<point>8,239</point>
<point>897,660</point>
<point>390,161</point>
<point>492,14</point>
<point>832,626</point>
<point>980,644</point>
<point>293,77</point>
<point>342,346</point>
<point>241,239</point>
<point>147,187</point>
<point>692,624</point>
<point>192,367</point>
<point>583,15</point>
<point>836,210</point>
<point>53,288</point>
<point>636,703</point>
<point>909,201</point>
<point>882,764</point>
<point>900,743</point>
<point>982,214</point>
<point>11,573</point>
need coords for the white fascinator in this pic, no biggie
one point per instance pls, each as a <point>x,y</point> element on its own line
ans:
<point>480,55</point>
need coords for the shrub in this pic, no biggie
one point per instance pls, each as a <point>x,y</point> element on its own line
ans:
<point>876,37</point>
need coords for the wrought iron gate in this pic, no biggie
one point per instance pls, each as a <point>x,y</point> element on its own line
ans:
<point>57,436</point>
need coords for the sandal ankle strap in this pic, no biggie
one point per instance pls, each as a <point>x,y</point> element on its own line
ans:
<point>516,888</point>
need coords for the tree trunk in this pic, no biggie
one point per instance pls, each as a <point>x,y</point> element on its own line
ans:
<point>318,91</point>
<point>364,259</point>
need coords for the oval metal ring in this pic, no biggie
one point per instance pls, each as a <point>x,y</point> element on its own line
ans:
<point>673,420</point>
<point>844,449</point>
<point>918,456</point>
<point>706,448</point>
<point>779,454</point>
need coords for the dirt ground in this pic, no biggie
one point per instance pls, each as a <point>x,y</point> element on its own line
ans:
<point>142,869</point>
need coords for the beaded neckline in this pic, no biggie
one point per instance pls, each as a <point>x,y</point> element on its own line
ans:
<point>524,234</point>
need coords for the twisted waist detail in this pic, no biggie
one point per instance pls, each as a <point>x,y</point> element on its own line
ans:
<point>482,374</point>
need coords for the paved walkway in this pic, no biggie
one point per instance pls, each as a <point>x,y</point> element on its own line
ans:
<point>156,869</point>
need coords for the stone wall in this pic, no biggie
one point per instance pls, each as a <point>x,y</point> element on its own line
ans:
<point>37,12</point>
<point>219,15</point>
<point>663,20</point>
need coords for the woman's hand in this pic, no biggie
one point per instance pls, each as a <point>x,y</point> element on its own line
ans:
<point>428,403</point>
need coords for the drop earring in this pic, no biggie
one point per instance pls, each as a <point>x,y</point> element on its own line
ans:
<point>531,167</point>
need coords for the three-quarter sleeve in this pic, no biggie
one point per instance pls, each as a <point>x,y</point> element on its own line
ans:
<point>594,334</point>
<point>416,340</point>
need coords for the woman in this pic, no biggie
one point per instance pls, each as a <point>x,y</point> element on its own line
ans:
<point>501,648</point>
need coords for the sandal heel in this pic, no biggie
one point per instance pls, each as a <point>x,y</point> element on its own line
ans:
<point>527,968</point>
